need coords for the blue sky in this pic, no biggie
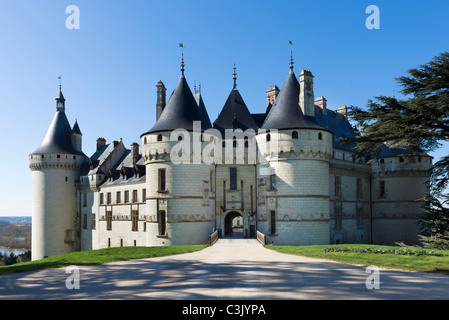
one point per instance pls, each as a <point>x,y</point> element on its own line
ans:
<point>110,66</point>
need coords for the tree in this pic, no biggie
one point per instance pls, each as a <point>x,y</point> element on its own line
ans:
<point>417,124</point>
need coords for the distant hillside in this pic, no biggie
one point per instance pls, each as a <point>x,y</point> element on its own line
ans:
<point>16,220</point>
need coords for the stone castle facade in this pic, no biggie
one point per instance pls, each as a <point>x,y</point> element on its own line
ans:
<point>282,172</point>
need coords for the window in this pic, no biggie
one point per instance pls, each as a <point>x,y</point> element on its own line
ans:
<point>382,193</point>
<point>144,195</point>
<point>108,198</point>
<point>338,218</point>
<point>108,220</point>
<point>337,190</point>
<point>119,197</point>
<point>246,142</point>
<point>268,137</point>
<point>233,178</point>
<point>320,136</point>
<point>135,220</point>
<point>359,190</point>
<point>162,180</point>
<point>159,137</point>
<point>126,196</point>
<point>161,221</point>
<point>180,137</point>
<point>273,182</point>
<point>85,221</point>
<point>101,198</point>
<point>401,159</point>
<point>295,135</point>
<point>94,225</point>
<point>84,199</point>
<point>135,199</point>
<point>273,222</point>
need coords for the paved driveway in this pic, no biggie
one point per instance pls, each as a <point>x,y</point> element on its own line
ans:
<point>231,269</point>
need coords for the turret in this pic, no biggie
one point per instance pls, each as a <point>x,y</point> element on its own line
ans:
<point>297,151</point>
<point>171,187</point>
<point>56,166</point>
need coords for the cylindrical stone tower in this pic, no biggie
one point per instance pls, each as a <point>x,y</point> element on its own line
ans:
<point>56,166</point>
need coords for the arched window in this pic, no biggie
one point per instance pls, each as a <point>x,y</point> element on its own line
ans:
<point>320,136</point>
<point>159,137</point>
<point>268,137</point>
<point>180,137</point>
<point>295,135</point>
<point>246,142</point>
<point>145,140</point>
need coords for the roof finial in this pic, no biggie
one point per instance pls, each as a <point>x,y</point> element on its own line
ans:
<point>59,82</point>
<point>291,54</point>
<point>235,78</point>
<point>182,58</point>
<point>199,86</point>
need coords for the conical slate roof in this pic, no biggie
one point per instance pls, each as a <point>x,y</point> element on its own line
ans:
<point>235,114</point>
<point>59,137</point>
<point>286,112</point>
<point>203,110</point>
<point>76,128</point>
<point>180,112</point>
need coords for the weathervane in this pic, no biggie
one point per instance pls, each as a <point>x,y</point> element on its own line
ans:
<point>291,54</point>
<point>181,45</point>
<point>235,78</point>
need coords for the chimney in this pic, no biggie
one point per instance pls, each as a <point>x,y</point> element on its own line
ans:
<point>343,110</point>
<point>306,98</point>
<point>134,153</point>
<point>160,104</point>
<point>322,103</point>
<point>272,93</point>
<point>101,142</point>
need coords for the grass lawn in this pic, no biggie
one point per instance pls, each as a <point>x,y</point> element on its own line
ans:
<point>430,264</point>
<point>99,257</point>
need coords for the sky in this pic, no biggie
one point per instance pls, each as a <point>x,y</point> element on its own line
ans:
<point>109,66</point>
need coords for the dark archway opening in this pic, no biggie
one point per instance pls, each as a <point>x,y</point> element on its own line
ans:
<point>234,225</point>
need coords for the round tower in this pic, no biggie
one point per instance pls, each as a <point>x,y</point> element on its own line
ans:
<point>56,166</point>
<point>293,187</point>
<point>180,209</point>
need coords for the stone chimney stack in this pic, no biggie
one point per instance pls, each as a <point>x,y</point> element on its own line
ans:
<point>272,93</point>
<point>101,142</point>
<point>306,97</point>
<point>134,153</point>
<point>322,103</point>
<point>343,110</point>
<point>161,98</point>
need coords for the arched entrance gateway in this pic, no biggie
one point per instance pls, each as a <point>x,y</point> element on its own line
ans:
<point>233,225</point>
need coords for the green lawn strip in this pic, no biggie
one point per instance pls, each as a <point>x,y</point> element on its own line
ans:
<point>432,264</point>
<point>99,257</point>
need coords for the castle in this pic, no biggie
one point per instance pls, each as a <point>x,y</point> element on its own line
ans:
<point>282,172</point>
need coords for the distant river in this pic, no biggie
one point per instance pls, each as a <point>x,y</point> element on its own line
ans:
<point>7,251</point>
